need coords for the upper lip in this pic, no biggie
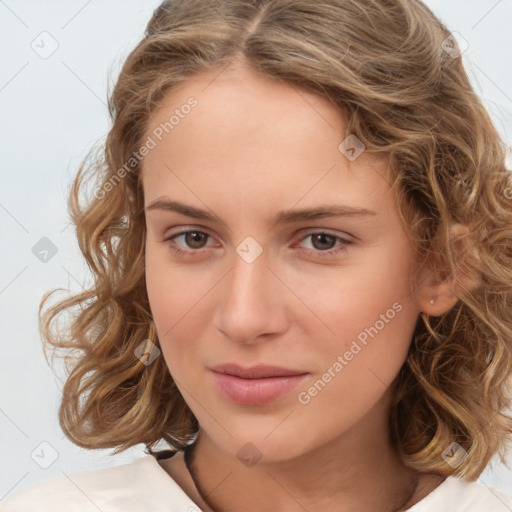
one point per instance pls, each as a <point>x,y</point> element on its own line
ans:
<point>255,372</point>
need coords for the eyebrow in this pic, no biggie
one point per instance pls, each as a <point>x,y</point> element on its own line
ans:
<point>283,217</point>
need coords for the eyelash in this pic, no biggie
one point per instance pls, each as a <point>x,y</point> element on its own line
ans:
<point>328,253</point>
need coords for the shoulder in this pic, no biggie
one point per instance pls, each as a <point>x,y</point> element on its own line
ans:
<point>137,486</point>
<point>457,495</point>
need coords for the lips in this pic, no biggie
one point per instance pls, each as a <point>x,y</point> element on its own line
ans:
<point>256,385</point>
<point>255,372</point>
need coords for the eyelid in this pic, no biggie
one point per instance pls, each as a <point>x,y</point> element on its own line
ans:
<point>185,230</point>
<point>306,231</point>
<point>344,241</point>
<point>326,231</point>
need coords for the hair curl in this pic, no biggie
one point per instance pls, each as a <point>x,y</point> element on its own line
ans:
<point>383,64</point>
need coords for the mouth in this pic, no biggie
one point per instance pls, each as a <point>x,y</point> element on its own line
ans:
<point>256,385</point>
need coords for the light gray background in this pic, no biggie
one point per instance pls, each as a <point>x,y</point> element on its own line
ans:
<point>52,111</point>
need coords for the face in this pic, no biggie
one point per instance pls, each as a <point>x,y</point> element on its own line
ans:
<point>326,295</point>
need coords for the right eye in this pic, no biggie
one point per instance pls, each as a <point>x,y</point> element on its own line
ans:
<point>193,238</point>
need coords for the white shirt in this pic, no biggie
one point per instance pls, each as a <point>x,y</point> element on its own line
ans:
<point>144,486</point>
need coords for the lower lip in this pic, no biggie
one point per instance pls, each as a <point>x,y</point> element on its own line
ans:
<point>255,391</point>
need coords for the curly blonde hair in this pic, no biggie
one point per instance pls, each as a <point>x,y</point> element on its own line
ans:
<point>394,70</point>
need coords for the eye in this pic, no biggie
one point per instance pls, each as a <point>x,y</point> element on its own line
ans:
<point>323,243</point>
<point>193,238</point>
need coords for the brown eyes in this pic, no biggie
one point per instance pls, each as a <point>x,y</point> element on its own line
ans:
<point>195,241</point>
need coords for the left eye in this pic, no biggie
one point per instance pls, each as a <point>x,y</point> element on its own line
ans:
<point>320,238</point>
<point>195,240</point>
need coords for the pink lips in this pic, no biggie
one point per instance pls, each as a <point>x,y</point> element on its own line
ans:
<point>257,385</point>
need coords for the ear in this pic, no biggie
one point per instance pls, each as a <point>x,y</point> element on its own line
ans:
<point>442,285</point>
<point>131,198</point>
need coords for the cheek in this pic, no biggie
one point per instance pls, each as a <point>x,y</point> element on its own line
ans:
<point>343,301</point>
<point>368,317</point>
<point>177,301</point>
<point>171,290</point>
<point>357,367</point>
<point>160,294</point>
<point>165,294</point>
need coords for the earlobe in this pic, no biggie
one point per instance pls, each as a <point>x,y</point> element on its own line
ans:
<point>441,288</point>
<point>437,297</point>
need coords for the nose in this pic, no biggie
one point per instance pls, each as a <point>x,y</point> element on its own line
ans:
<point>252,302</point>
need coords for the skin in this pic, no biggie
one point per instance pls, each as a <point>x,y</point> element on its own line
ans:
<point>252,147</point>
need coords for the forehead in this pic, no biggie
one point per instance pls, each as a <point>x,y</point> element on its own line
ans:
<point>239,102</point>
<point>240,85</point>
<point>259,135</point>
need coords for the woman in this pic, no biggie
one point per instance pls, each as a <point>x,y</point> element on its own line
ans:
<point>299,236</point>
